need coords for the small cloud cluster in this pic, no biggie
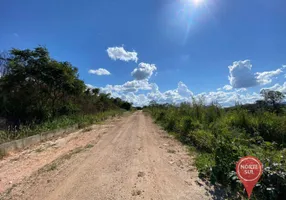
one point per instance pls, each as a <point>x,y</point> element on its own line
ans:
<point>181,94</point>
<point>140,91</point>
<point>99,72</point>
<point>141,75</point>
<point>119,53</point>
<point>227,87</point>
<point>264,78</point>
<point>90,86</point>
<point>278,87</point>
<point>183,90</point>
<point>143,71</point>
<point>240,75</point>
<point>129,86</point>
<point>116,53</point>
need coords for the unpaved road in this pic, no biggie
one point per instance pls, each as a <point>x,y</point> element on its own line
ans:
<point>125,158</point>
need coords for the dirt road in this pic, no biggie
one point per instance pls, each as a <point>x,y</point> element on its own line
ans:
<point>127,158</point>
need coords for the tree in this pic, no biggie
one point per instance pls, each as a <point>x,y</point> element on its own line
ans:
<point>34,88</point>
<point>4,56</point>
<point>273,98</point>
<point>37,87</point>
<point>261,104</point>
<point>95,91</point>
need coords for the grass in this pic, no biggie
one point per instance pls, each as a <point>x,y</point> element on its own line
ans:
<point>171,151</point>
<point>39,150</point>
<point>56,163</point>
<point>2,154</point>
<point>71,153</point>
<point>15,159</point>
<point>52,167</point>
<point>88,146</point>
<point>82,121</point>
<point>87,129</point>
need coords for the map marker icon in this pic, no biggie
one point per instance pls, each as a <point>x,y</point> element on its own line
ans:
<point>249,170</point>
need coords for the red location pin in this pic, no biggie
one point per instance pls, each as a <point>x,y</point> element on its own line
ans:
<point>249,170</point>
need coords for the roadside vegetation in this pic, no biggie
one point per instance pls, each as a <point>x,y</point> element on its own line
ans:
<point>221,136</point>
<point>39,94</point>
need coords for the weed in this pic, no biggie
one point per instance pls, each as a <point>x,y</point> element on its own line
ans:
<point>88,146</point>
<point>87,129</point>
<point>51,167</point>
<point>39,150</point>
<point>71,153</point>
<point>171,151</point>
<point>2,153</point>
<point>15,159</point>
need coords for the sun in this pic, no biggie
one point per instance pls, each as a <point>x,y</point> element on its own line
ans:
<point>198,2</point>
<point>193,3</point>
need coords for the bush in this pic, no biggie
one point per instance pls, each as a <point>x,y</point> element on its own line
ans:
<point>272,128</point>
<point>202,139</point>
<point>223,136</point>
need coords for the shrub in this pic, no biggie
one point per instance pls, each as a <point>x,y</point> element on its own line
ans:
<point>202,140</point>
<point>204,163</point>
<point>272,128</point>
<point>222,137</point>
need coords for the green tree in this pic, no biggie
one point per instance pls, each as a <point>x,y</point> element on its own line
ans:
<point>273,98</point>
<point>37,87</point>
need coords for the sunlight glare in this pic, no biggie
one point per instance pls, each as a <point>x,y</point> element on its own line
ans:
<point>198,2</point>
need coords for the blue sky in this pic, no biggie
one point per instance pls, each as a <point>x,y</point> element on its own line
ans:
<point>163,50</point>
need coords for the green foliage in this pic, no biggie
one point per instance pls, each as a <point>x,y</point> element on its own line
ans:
<point>271,96</point>
<point>223,136</point>
<point>39,93</point>
<point>205,162</point>
<point>202,139</point>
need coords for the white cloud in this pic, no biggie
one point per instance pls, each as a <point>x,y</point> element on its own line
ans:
<point>89,86</point>
<point>143,71</point>
<point>183,90</point>
<point>224,98</point>
<point>130,91</point>
<point>136,100</point>
<point>227,87</point>
<point>119,53</point>
<point>241,90</point>
<point>99,72</point>
<point>229,98</point>
<point>181,94</point>
<point>264,78</point>
<point>129,86</point>
<point>135,85</point>
<point>277,87</point>
<point>241,75</point>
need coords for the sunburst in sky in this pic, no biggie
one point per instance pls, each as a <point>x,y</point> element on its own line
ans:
<point>197,2</point>
<point>191,10</point>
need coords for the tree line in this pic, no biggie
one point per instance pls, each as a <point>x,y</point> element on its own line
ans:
<point>35,88</point>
